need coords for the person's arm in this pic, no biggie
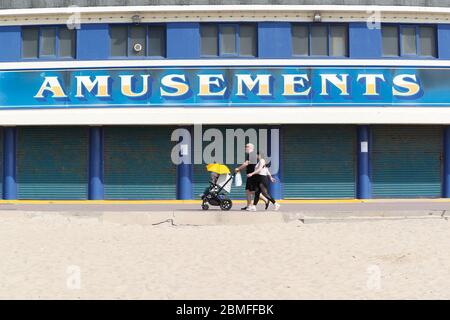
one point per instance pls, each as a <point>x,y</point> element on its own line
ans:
<point>270,176</point>
<point>263,163</point>
<point>242,166</point>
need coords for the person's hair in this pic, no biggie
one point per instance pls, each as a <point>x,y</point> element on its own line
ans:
<point>262,156</point>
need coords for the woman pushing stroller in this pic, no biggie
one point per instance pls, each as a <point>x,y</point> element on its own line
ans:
<point>261,178</point>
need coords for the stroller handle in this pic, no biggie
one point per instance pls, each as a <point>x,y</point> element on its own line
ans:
<point>226,182</point>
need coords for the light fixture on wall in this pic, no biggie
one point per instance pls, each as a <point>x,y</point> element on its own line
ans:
<point>136,19</point>
<point>317,17</point>
<point>137,47</point>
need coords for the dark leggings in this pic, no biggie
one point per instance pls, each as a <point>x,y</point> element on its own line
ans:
<point>262,187</point>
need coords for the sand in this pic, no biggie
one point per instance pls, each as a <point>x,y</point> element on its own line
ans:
<point>84,258</point>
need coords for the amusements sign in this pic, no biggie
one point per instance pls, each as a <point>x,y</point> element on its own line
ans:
<point>225,87</point>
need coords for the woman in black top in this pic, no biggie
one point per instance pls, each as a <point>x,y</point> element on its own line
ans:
<point>261,178</point>
<point>249,164</point>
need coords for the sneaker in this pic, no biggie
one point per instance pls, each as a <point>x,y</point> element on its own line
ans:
<point>244,208</point>
<point>277,206</point>
<point>267,204</point>
<point>251,208</point>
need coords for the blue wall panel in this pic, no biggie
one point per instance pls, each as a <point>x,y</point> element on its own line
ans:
<point>93,42</point>
<point>183,40</point>
<point>364,42</point>
<point>185,170</point>
<point>274,40</point>
<point>276,154</point>
<point>443,40</point>
<point>96,187</point>
<point>10,38</point>
<point>363,185</point>
<point>9,187</point>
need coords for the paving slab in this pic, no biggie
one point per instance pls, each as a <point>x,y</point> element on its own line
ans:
<point>217,217</point>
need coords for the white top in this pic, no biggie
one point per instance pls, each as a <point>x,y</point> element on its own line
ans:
<point>264,171</point>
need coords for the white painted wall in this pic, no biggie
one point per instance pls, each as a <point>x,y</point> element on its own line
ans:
<point>227,115</point>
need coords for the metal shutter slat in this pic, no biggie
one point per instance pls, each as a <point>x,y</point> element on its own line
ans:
<point>406,161</point>
<point>52,162</point>
<point>319,162</point>
<point>138,163</point>
<point>1,162</point>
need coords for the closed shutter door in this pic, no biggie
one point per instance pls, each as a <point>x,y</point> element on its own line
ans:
<point>52,162</point>
<point>138,163</point>
<point>201,177</point>
<point>1,163</point>
<point>406,161</point>
<point>319,161</point>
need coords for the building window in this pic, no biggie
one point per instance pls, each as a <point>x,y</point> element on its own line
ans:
<point>228,40</point>
<point>320,40</point>
<point>52,42</point>
<point>409,41</point>
<point>138,41</point>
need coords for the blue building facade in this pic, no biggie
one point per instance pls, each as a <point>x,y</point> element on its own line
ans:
<point>361,109</point>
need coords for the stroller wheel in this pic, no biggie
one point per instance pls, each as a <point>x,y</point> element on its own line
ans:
<point>205,206</point>
<point>226,204</point>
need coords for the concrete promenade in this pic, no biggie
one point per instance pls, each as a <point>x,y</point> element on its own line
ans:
<point>189,212</point>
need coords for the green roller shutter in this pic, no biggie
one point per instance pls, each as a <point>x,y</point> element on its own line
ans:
<point>52,162</point>
<point>138,163</point>
<point>406,161</point>
<point>201,176</point>
<point>319,161</point>
<point>1,163</point>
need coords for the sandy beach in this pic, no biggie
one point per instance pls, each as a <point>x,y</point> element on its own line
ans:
<point>84,258</point>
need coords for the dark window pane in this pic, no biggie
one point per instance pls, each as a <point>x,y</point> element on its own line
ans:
<point>390,41</point>
<point>138,43</point>
<point>319,41</point>
<point>157,41</point>
<point>208,35</point>
<point>409,45</point>
<point>228,40</point>
<point>48,42</point>
<point>247,40</point>
<point>300,45</point>
<point>338,41</point>
<point>427,37</point>
<point>119,36</point>
<point>66,43</point>
<point>30,42</point>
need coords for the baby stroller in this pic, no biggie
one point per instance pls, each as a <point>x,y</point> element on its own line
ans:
<point>219,187</point>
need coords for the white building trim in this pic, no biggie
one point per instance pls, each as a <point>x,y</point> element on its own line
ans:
<point>329,13</point>
<point>222,8</point>
<point>200,115</point>
<point>222,63</point>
